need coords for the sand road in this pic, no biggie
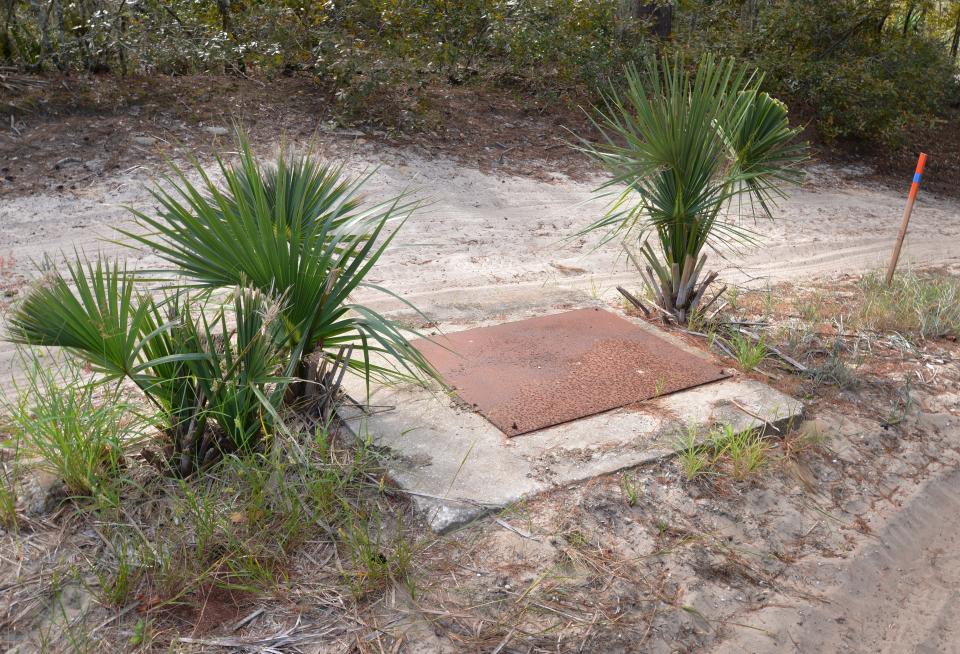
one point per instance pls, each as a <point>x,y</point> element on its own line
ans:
<point>898,595</point>
<point>483,239</point>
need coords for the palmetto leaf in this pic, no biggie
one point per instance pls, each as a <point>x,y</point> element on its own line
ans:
<point>95,315</point>
<point>298,229</point>
<point>685,148</point>
<point>174,357</point>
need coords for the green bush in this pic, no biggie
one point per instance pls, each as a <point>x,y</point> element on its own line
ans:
<point>264,267</point>
<point>562,45</point>
<point>862,69</point>
<point>861,82</point>
<point>378,54</point>
<point>849,64</point>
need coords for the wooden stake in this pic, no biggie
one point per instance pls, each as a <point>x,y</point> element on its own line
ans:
<point>906,217</point>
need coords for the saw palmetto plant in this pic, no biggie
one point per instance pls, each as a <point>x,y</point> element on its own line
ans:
<point>299,231</point>
<point>263,269</point>
<point>692,156</point>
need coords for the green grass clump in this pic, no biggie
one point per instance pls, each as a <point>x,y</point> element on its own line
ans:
<point>238,527</point>
<point>745,451</point>
<point>917,306</point>
<point>64,428</point>
<point>723,452</point>
<point>694,457</point>
<point>749,353</point>
<point>377,557</point>
<point>631,490</point>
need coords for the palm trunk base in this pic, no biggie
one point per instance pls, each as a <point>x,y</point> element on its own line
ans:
<point>678,291</point>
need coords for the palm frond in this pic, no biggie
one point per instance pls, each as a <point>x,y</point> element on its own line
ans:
<point>299,229</point>
<point>682,149</point>
<point>683,145</point>
<point>94,315</point>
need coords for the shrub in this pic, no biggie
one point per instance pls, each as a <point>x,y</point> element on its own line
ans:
<point>287,245</point>
<point>852,65</point>
<point>693,152</point>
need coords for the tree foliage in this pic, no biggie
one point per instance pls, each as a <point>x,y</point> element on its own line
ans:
<point>863,69</point>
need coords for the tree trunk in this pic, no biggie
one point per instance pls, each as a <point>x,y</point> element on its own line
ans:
<point>750,15</point>
<point>6,40</point>
<point>955,42</point>
<point>224,7</point>
<point>660,15</point>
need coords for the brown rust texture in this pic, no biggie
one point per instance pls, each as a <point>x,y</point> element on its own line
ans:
<point>536,373</point>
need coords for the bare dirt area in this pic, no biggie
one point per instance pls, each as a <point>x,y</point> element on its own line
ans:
<point>489,235</point>
<point>844,538</point>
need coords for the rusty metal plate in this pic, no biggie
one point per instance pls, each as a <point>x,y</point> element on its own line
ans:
<point>528,375</point>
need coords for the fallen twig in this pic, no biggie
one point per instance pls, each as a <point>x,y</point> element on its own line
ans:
<point>755,415</point>
<point>509,527</point>
<point>293,636</point>
<point>634,301</point>
<point>503,643</point>
<point>786,358</point>
<point>240,624</point>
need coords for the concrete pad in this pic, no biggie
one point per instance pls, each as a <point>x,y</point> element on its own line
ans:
<point>457,466</point>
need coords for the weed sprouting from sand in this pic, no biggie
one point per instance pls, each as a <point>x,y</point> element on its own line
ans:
<point>725,451</point>
<point>835,370</point>
<point>118,577</point>
<point>808,438</point>
<point>377,559</point>
<point>746,450</point>
<point>630,489</point>
<point>749,353</point>
<point>694,457</point>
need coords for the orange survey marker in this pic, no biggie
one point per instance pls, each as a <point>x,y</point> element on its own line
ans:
<point>921,162</point>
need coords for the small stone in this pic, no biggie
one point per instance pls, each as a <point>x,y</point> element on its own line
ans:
<point>38,490</point>
<point>216,131</point>
<point>144,140</point>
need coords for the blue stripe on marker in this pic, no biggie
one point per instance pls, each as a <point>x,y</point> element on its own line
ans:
<point>916,178</point>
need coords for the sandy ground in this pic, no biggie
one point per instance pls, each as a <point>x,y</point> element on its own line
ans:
<point>480,235</point>
<point>898,594</point>
<point>484,239</point>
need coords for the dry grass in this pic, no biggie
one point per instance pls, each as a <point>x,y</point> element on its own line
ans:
<point>830,330</point>
<point>915,305</point>
<point>201,552</point>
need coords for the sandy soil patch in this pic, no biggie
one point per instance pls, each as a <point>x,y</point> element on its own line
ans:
<point>480,234</point>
